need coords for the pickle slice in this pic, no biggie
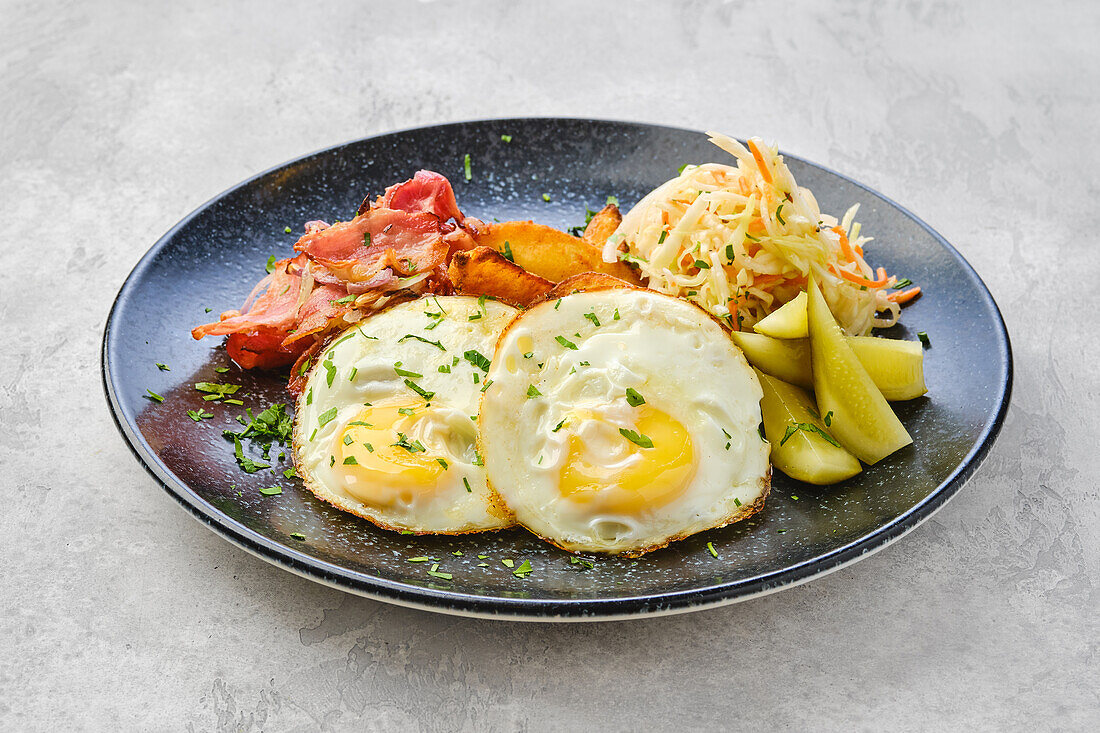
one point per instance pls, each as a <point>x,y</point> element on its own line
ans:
<point>799,450</point>
<point>861,418</point>
<point>787,359</point>
<point>787,322</point>
<point>895,366</point>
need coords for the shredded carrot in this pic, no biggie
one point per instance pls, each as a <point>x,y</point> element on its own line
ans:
<point>904,296</point>
<point>859,279</point>
<point>765,280</point>
<point>757,225</point>
<point>844,246</point>
<point>743,185</point>
<point>767,174</point>
<point>880,273</point>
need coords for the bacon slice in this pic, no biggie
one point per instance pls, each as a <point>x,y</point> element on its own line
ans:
<point>262,348</point>
<point>357,250</point>
<point>273,303</point>
<point>427,192</point>
<point>318,312</point>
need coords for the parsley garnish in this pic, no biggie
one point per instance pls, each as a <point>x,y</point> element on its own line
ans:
<point>901,283</point>
<point>350,461</point>
<point>477,359</point>
<point>702,264</point>
<point>661,239</point>
<point>345,299</point>
<point>481,309</point>
<point>290,473</point>
<point>779,215</point>
<point>247,464</point>
<point>557,304</point>
<point>421,339</point>
<point>272,491</point>
<point>565,342</point>
<point>444,369</point>
<point>585,564</point>
<point>592,317</point>
<point>216,391</point>
<point>441,462</point>
<point>924,339</point>
<point>558,426</point>
<point>636,438</point>
<point>508,252</point>
<point>199,415</point>
<point>616,316</point>
<point>546,197</point>
<point>152,395</point>
<point>412,446</point>
<point>809,428</point>
<point>419,390</point>
<point>466,167</point>
<point>633,398</point>
<point>163,367</point>
<point>532,391</point>
<point>506,138</point>
<point>736,501</point>
<point>270,264</point>
<point>682,168</point>
<point>729,252</point>
<point>710,548</point>
<point>404,372</point>
<point>466,483</point>
<point>486,385</point>
<point>829,418</point>
<point>326,417</point>
<point>523,570</point>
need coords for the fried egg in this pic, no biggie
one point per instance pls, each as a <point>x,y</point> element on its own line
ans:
<point>620,420</point>
<point>386,426</point>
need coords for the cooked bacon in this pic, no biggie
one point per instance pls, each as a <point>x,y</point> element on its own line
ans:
<point>426,192</point>
<point>298,372</point>
<point>276,308</point>
<point>407,243</point>
<point>318,312</point>
<point>262,348</point>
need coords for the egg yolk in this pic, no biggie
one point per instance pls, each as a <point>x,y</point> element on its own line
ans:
<point>380,462</point>
<point>637,478</point>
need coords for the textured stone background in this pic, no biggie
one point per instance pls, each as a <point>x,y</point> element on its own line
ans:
<point>118,610</point>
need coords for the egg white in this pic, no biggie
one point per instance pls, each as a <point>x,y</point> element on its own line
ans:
<point>544,392</point>
<point>357,373</point>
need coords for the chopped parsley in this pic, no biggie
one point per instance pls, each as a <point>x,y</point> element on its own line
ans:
<point>290,473</point>
<point>286,230</point>
<point>636,438</point>
<point>444,369</point>
<point>557,304</point>
<point>565,342</point>
<point>558,426</point>
<point>702,264</point>
<point>684,167</point>
<point>523,570</point>
<point>350,461</point>
<point>730,254</point>
<point>808,428</point>
<point>585,564</point>
<point>272,491</point>
<point>326,417</point>
<point>633,398</point>
<point>664,235</point>
<point>199,415</point>
<point>736,501</point>
<point>829,418</point>
<point>616,316</point>
<point>779,215</point>
<point>219,370</point>
<point>247,464</point>
<point>442,576</point>
<point>592,317</point>
<point>477,359</point>
<point>342,301</point>
<point>163,367</point>
<point>481,309</point>
<point>508,563</point>
<point>486,385</point>
<point>412,446</point>
<point>532,391</point>
<point>421,339</point>
<point>151,395</point>
<point>298,536</point>
<point>347,440</point>
<point>478,460</point>
<point>506,138</point>
<point>924,339</point>
<point>466,483</point>
<point>631,259</point>
<point>330,372</point>
<point>902,283</point>
<point>508,252</point>
<point>216,391</point>
<point>404,372</point>
<point>441,462</point>
<point>612,200</point>
<point>546,197</point>
<point>270,267</point>
<point>466,167</point>
<point>419,559</point>
<point>710,548</point>
<point>419,390</point>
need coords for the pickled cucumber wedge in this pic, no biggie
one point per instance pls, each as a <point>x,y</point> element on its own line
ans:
<point>788,322</point>
<point>895,366</point>
<point>787,359</point>
<point>801,447</point>
<point>861,418</point>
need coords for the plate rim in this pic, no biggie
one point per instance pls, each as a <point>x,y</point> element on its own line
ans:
<point>541,610</point>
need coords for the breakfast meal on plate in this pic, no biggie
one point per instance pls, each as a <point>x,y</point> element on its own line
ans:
<point>611,392</point>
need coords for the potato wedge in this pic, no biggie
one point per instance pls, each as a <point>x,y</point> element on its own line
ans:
<point>603,225</point>
<point>587,282</point>
<point>484,271</point>
<point>549,253</point>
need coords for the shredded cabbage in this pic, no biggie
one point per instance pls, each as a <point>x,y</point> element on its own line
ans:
<point>742,241</point>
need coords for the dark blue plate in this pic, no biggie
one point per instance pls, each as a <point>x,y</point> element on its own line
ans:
<point>211,260</point>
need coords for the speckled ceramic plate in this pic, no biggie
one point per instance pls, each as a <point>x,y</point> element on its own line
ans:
<point>209,261</point>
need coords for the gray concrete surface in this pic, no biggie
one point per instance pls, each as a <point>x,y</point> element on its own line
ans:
<point>119,611</point>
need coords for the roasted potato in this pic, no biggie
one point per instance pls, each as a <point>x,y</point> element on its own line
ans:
<point>603,225</point>
<point>547,252</point>
<point>483,271</point>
